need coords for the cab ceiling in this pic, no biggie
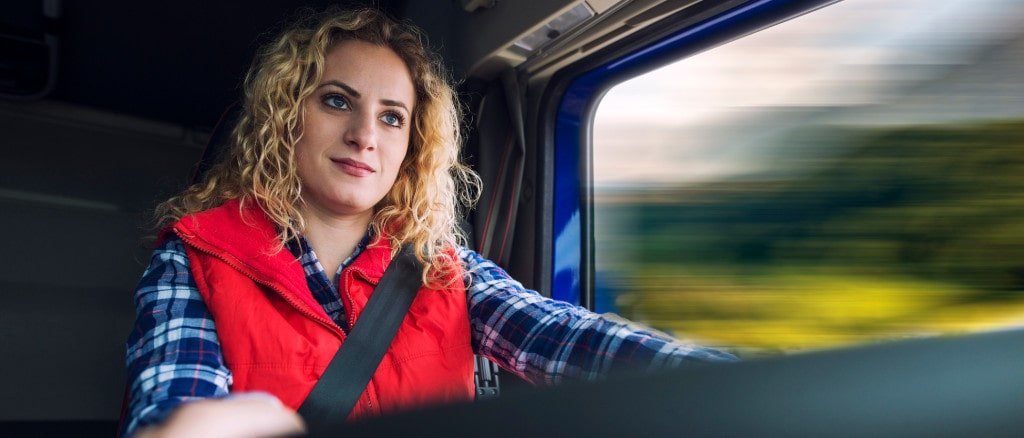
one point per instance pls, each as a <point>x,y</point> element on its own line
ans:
<point>182,62</point>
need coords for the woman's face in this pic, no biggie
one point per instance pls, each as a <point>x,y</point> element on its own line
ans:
<point>355,130</point>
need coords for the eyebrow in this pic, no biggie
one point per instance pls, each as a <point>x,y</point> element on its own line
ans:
<point>355,94</point>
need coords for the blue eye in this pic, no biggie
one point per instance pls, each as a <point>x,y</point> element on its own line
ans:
<point>392,119</point>
<point>335,101</point>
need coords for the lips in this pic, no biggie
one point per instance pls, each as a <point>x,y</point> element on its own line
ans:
<point>353,167</point>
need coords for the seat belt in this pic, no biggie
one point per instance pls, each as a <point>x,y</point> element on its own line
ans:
<point>336,393</point>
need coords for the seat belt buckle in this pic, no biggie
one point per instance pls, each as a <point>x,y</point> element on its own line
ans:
<point>485,376</point>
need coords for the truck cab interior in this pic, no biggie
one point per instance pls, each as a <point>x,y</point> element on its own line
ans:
<point>107,108</point>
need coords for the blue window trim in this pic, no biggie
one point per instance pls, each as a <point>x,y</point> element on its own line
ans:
<point>575,114</point>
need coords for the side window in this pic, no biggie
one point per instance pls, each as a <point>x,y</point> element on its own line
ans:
<point>849,176</point>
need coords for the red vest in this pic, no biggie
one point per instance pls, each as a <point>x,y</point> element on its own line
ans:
<point>275,337</point>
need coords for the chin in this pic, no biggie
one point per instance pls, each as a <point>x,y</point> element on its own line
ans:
<point>349,209</point>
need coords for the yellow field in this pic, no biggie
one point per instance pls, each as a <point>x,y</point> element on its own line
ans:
<point>792,310</point>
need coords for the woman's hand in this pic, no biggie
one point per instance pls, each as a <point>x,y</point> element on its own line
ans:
<point>240,416</point>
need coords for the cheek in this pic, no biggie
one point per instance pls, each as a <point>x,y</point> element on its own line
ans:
<point>394,173</point>
<point>301,159</point>
<point>396,156</point>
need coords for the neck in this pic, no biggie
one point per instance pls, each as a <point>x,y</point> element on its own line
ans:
<point>334,237</point>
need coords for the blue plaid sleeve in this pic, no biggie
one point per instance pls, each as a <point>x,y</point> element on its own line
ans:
<point>173,352</point>
<point>548,341</point>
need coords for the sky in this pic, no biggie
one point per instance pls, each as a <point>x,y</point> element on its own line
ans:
<point>856,53</point>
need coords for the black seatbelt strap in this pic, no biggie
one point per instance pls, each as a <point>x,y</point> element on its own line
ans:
<point>339,387</point>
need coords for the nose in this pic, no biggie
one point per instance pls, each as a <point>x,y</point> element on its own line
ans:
<point>361,131</point>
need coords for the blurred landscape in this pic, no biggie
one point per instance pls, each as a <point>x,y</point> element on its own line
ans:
<point>845,209</point>
<point>915,231</point>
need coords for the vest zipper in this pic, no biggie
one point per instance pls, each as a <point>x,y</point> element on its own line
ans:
<point>349,274</point>
<point>343,285</point>
<point>281,292</point>
<point>370,394</point>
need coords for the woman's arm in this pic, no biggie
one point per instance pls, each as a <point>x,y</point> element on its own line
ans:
<point>178,383</point>
<point>173,355</point>
<point>548,341</point>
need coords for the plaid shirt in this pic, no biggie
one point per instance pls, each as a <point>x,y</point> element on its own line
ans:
<point>174,355</point>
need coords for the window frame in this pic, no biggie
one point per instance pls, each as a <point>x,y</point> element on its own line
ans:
<point>575,94</point>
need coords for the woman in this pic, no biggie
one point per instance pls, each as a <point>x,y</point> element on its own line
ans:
<point>347,149</point>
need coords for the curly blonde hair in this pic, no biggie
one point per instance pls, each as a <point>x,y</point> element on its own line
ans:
<point>432,188</point>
